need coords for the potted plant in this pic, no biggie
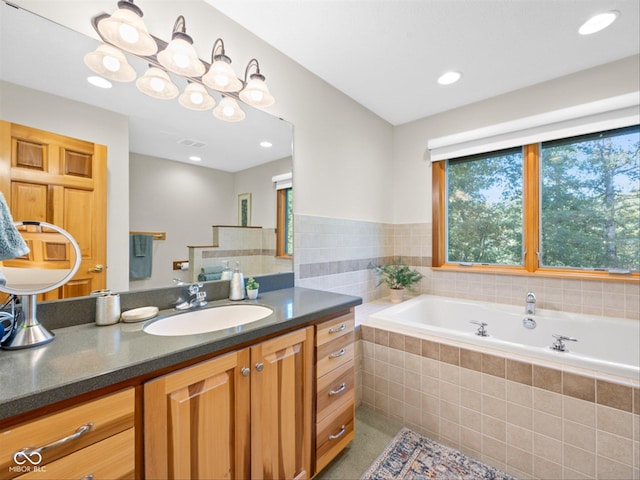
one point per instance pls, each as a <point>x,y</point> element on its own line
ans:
<point>252,288</point>
<point>398,276</point>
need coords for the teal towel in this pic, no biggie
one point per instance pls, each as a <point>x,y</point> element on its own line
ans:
<point>12,245</point>
<point>140,266</point>
<point>210,270</point>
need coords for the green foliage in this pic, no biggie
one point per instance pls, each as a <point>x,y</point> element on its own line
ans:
<point>252,284</point>
<point>397,275</point>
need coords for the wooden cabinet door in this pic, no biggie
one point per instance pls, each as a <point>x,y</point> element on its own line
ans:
<point>197,421</point>
<point>281,387</point>
<point>60,180</point>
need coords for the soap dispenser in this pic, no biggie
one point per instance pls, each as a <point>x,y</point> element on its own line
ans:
<point>236,288</point>
<point>226,271</point>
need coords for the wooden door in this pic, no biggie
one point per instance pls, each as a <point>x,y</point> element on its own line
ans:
<point>60,180</point>
<point>197,421</point>
<point>281,388</point>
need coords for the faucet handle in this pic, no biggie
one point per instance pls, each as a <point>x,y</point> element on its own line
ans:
<point>559,345</point>
<point>482,332</point>
<point>531,297</point>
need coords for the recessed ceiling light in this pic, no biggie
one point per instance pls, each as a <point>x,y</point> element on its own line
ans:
<point>598,22</point>
<point>99,82</point>
<point>266,144</point>
<point>194,158</point>
<point>449,78</point>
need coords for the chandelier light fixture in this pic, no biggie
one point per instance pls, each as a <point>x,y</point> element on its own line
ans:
<point>125,32</point>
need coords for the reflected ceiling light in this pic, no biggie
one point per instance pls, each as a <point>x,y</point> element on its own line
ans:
<point>99,82</point>
<point>221,76</point>
<point>196,97</point>
<point>110,63</point>
<point>255,92</point>
<point>157,84</point>
<point>126,30</point>
<point>194,158</point>
<point>598,22</point>
<point>180,57</point>
<point>266,144</point>
<point>229,110</point>
<point>449,78</point>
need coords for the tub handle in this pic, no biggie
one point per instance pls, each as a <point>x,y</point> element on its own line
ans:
<point>559,345</point>
<point>482,332</point>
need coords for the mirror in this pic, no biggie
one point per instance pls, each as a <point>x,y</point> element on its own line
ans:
<point>161,133</point>
<point>53,259</point>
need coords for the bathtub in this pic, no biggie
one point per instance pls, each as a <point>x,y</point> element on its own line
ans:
<point>607,345</point>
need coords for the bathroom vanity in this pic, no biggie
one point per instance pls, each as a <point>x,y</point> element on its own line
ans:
<point>271,399</point>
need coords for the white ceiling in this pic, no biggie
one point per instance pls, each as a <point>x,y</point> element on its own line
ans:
<point>387,54</point>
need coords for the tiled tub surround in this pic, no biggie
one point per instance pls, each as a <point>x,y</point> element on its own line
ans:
<point>333,254</point>
<point>533,419</point>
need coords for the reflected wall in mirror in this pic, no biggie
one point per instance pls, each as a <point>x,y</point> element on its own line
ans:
<point>152,183</point>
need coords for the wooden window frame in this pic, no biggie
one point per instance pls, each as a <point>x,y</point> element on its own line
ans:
<point>281,218</point>
<point>531,223</point>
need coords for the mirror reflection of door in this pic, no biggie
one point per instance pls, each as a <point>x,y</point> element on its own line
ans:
<point>60,180</point>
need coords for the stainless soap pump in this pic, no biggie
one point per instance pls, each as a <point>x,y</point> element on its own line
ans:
<point>236,288</point>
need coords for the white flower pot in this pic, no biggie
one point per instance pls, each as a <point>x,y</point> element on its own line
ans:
<point>252,294</point>
<point>396,295</point>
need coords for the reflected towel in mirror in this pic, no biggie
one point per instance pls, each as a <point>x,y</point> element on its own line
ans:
<point>140,265</point>
<point>12,245</point>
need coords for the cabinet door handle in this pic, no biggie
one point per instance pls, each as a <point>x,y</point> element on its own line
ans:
<point>337,354</point>
<point>87,477</point>
<point>245,371</point>
<point>342,388</point>
<point>339,434</point>
<point>35,454</point>
<point>339,329</point>
<point>259,366</point>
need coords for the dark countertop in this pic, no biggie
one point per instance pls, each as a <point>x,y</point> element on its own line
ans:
<point>87,357</point>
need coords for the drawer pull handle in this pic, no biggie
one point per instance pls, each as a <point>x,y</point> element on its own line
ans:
<point>35,454</point>
<point>339,329</point>
<point>338,354</point>
<point>342,388</point>
<point>87,477</point>
<point>339,434</point>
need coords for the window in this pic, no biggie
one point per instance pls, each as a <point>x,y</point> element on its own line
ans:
<point>284,230</point>
<point>560,207</point>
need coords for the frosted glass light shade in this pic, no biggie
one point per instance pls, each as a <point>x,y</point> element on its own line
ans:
<point>229,110</point>
<point>222,78</point>
<point>180,57</point>
<point>126,30</point>
<point>109,62</point>
<point>157,84</point>
<point>256,92</point>
<point>196,97</point>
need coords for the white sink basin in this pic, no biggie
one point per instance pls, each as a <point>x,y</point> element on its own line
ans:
<point>207,320</point>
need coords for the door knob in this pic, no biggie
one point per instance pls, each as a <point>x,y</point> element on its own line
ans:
<point>245,371</point>
<point>98,268</point>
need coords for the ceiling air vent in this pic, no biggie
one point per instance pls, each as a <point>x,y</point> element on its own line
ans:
<point>190,142</point>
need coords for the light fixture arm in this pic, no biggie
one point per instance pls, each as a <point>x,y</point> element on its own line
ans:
<point>180,30</point>
<point>218,45</point>
<point>129,5</point>
<point>253,63</point>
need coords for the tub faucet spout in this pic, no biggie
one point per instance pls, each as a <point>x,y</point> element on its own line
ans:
<point>530,307</point>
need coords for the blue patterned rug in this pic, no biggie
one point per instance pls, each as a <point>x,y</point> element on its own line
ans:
<point>411,456</point>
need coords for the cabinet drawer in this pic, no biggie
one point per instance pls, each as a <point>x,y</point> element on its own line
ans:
<point>334,389</point>
<point>113,458</point>
<point>332,329</point>
<point>334,354</point>
<point>85,424</point>
<point>333,434</point>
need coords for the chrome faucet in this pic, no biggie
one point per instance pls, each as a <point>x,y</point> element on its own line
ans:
<point>197,298</point>
<point>530,307</point>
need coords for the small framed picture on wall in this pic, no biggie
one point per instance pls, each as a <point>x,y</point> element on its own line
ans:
<point>244,209</point>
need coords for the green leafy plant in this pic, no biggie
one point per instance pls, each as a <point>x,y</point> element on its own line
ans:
<point>397,275</point>
<point>252,284</point>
